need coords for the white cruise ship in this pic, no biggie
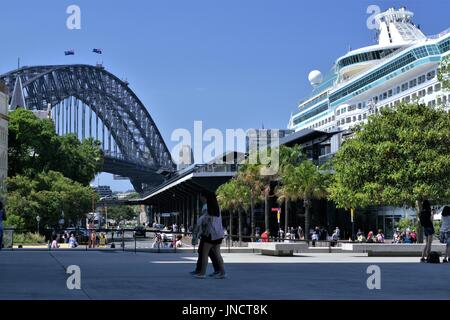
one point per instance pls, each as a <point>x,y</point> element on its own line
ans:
<point>401,67</point>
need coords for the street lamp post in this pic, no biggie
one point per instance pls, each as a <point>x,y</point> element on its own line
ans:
<point>352,213</point>
<point>38,219</point>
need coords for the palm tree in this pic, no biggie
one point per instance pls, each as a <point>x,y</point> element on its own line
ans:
<point>310,183</point>
<point>249,175</point>
<point>234,196</point>
<point>286,190</point>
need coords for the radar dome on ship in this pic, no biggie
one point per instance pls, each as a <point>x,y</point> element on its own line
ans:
<point>315,77</point>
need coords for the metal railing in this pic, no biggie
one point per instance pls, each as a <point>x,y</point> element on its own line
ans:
<point>126,239</point>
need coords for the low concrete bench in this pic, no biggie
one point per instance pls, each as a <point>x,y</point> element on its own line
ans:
<point>383,249</point>
<point>279,248</point>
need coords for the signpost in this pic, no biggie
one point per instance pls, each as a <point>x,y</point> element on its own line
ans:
<point>278,211</point>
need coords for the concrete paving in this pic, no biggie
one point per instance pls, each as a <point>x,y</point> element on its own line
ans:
<point>126,275</point>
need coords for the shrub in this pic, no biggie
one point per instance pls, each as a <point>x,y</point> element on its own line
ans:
<point>30,238</point>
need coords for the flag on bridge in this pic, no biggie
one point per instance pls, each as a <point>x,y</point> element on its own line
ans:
<point>99,51</point>
<point>69,52</point>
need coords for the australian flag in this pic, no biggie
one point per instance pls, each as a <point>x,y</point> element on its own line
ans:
<point>99,51</point>
<point>69,52</point>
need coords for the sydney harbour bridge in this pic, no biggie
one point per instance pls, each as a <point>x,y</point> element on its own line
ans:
<point>89,101</point>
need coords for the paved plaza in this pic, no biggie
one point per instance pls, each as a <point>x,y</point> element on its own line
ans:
<point>126,275</point>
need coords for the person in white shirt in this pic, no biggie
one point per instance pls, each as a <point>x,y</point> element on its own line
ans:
<point>72,241</point>
<point>211,235</point>
<point>445,231</point>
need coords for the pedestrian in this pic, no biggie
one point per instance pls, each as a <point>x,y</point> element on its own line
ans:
<point>428,228</point>
<point>90,228</point>
<point>179,243</point>
<point>93,238</point>
<point>54,244</point>
<point>301,235</point>
<point>338,233</point>
<point>265,236</point>
<point>445,231</point>
<point>2,218</point>
<point>370,237</point>
<point>211,235</point>
<point>72,241</point>
<point>380,236</point>
<point>158,241</point>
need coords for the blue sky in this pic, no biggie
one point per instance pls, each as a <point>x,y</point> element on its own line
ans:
<point>229,63</point>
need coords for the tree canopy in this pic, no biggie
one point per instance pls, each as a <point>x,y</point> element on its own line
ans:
<point>402,155</point>
<point>50,196</point>
<point>34,147</point>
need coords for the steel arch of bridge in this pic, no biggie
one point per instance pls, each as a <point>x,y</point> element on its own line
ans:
<point>115,104</point>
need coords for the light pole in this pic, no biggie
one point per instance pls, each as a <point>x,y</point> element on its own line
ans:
<point>38,219</point>
<point>352,214</point>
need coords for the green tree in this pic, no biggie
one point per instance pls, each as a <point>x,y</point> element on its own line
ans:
<point>234,196</point>
<point>400,157</point>
<point>118,212</point>
<point>311,184</point>
<point>34,147</point>
<point>249,175</point>
<point>286,190</point>
<point>48,195</point>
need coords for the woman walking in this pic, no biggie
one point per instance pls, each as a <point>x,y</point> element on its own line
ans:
<point>211,236</point>
<point>428,228</point>
<point>445,231</point>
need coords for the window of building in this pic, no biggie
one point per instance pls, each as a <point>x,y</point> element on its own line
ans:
<point>430,90</point>
<point>365,116</point>
<point>348,120</point>
<point>407,99</point>
<point>413,83</point>
<point>437,87</point>
<point>421,79</point>
<point>389,93</point>
<point>404,87</point>
<point>431,74</point>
